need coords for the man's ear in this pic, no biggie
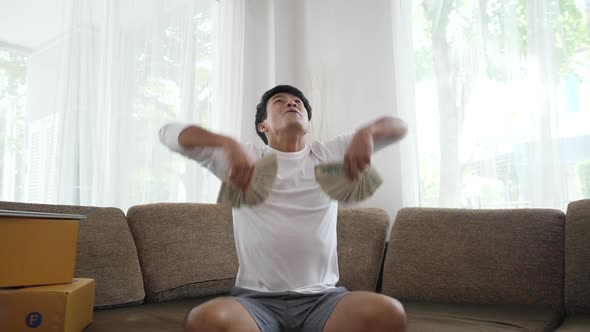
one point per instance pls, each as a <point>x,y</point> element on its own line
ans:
<point>261,127</point>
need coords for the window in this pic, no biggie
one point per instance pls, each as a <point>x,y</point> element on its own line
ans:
<point>13,131</point>
<point>80,115</point>
<point>503,106</point>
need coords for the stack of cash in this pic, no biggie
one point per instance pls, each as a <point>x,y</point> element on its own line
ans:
<point>334,182</point>
<point>331,177</point>
<point>265,173</point>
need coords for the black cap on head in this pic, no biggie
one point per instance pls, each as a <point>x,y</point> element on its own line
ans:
<point>261,107</point>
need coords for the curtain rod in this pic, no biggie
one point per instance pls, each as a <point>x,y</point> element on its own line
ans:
<point>16,48</point>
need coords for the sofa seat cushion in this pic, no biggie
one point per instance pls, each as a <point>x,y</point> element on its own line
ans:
<point>160,317</point>
<point>438,317</point>
<point>575,323</point>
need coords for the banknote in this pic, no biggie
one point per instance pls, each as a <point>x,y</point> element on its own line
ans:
<point>333,180</point>
<point>265,173</point>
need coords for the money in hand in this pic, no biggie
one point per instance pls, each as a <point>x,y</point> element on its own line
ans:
<point>265,173</point>
<point>334,182</point>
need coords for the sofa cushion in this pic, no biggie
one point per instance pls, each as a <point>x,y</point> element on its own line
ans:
<point>106,252</point>
<point>577,257</point>
<point>477,256</point>
<point>361,241</point>
<point>575,323</point>
<point>481,318</point>
<point>188,249</point>
<point>156,317</point>
<point>185,249</point>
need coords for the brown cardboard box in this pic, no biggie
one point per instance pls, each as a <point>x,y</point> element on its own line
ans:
<point>55,308</point>
<point>37,248</point>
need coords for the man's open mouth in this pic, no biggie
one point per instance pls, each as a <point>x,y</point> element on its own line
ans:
<point>293,111</point>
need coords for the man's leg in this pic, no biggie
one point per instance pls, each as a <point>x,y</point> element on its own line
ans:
<point>367,312</point>
<point>220,314</point>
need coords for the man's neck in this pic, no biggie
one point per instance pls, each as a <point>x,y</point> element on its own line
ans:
<point>287,143</point>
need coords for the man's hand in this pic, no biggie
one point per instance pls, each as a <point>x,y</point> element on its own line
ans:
<point>383,131</point>
<point>358,155</point>
<point>241,166</point>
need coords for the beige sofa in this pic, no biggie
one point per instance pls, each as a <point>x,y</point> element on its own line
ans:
<point>154,264</point>
<point>454,270</point>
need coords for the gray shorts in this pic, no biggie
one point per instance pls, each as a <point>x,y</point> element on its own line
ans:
<point>289,311</point>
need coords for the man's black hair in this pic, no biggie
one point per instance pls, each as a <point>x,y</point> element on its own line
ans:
<point>261,107</point>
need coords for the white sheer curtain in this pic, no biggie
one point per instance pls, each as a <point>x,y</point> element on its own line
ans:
<point>228,74</point>
<point>500,106</point>
<point>492,91</point>
<point>123,69</point>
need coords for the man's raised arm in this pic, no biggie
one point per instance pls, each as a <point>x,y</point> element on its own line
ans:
<point>241,167</point>
<point>381,132</point>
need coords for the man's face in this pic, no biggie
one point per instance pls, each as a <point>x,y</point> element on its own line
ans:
<point>284,112</point>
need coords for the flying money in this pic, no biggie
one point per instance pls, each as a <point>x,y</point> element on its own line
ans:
<point>334,182</point>
<point>265,173</point>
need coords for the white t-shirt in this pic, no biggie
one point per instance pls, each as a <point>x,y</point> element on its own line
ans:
<point>287,243</point>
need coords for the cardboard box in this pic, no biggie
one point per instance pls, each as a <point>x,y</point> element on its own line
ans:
<point>56,308</point>
<point>37,248</point>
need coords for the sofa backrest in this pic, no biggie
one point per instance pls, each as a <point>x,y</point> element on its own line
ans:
<point>185,249</point>
<point>106,252</point>
<point>503,256</point>
<point>577,257</point>
<point>188,249</point>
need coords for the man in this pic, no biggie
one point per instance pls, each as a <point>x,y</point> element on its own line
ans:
<point>288,266</point>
